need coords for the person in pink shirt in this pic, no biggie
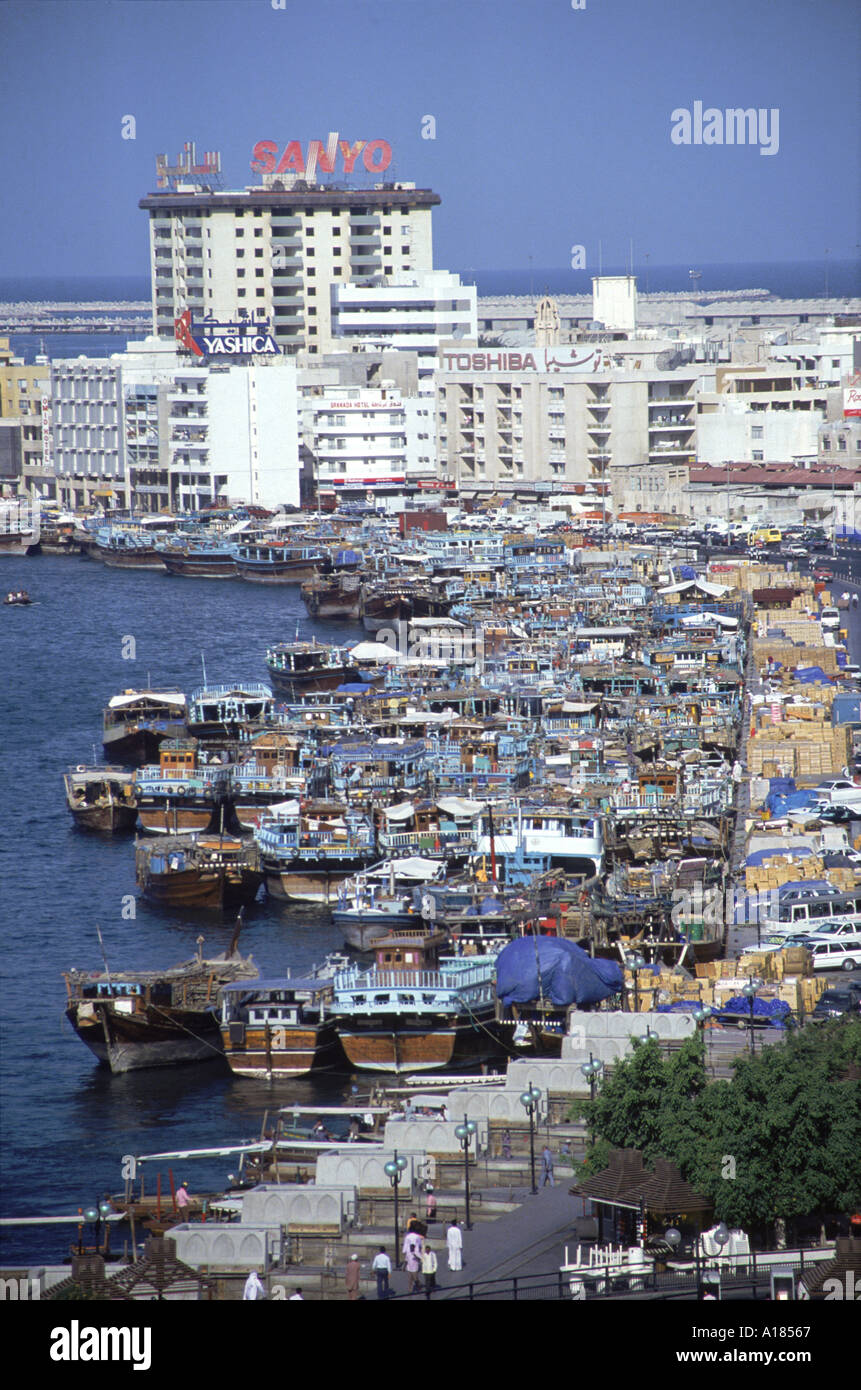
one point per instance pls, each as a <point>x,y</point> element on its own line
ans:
<point>413,1249</point>
<point>183,1201</point>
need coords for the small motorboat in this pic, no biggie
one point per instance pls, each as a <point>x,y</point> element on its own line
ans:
<point>18,597</point>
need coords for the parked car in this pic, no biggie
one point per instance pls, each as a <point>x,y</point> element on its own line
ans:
<point>834,1003</point>
<point>836,955</point>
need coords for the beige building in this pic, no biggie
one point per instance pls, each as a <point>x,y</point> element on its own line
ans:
<point>274,252</point>
<point>565,413</point>
<point>23,387</point>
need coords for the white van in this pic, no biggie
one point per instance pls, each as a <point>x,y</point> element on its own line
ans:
<point>812,914</point>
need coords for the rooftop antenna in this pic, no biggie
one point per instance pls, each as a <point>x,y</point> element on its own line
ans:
<point>600,257</point>
<point>203,664</point>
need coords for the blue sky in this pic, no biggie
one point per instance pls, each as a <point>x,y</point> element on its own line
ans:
<point>552,124</point>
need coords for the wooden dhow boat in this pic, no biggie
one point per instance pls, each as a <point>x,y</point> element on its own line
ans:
<point>198,871</point>
<point>154,1018</point>
<point>101,798</point>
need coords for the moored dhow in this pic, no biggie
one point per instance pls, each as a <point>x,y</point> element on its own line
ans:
<point>203,559</point>
<point>181,792</point>
<point>198,871</point>
<point>137,721</point>
<point>101,798</point>
<point>308,849</point>
<point>417,1010</point>
<point>221,712</point>
<point>154,1018</point>
<point>276,562</point>
<point>333,596</point>
<point>281,1028</point>
<point>296,667</point>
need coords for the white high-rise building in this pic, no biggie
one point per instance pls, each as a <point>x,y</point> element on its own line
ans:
<point>275,250</point>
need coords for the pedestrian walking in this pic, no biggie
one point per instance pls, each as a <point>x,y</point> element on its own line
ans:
<point>412,1252</point>
<point>253,1287</point>
<point>183,1201</point>
<point>454,1246</point>
<point>430,1209</point>
<point>547,1167</point>
<point>382,1267</point>
<point>506,1143</point>
<point>297,1297</point>
<point>351,1278</point>
<point>429,1269</point>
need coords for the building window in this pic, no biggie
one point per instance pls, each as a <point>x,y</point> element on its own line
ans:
<point>841,443</point>
<point>826,444</point>
<point>258,251</point>
<point>240,231</point>
<point>757,432</point>
<point>240,274</point>
<point>240,294</point>
<point>261,294</point>
<point>239,254</point>
<point>757,455</point>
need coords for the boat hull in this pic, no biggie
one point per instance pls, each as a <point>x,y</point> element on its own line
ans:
<point>200,567</point>
<point>275,1054</point>
<point>410,1046</point>
<point>170,820</point>
<point>153,1038</point>
<point>362,931</point>
<point>108,819</point>
<point>202,888</point>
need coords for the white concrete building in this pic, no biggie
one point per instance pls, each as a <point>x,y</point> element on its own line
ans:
<point>614,302</point>
<point>275,250</point>
<point>771,409</point>
<point>407,311</point>
<point>153,429</point>
<point>364,438</point>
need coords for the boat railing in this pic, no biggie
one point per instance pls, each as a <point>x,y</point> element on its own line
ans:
<point>455,976</point>
<point>427,839</point>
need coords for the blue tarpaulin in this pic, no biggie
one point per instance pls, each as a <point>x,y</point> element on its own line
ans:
<point>778,804</point>
<point>759,855</point>
<point>567,974</point>
<point>809,675</point>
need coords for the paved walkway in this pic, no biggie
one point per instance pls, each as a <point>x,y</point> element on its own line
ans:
<point>529,1240</point>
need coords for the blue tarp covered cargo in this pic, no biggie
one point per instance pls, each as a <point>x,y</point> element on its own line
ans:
<point>568,974</point>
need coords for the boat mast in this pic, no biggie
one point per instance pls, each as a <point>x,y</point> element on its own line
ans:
<point>104,958</point>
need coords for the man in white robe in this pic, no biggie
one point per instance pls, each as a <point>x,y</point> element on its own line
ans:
<point>454,1244</point>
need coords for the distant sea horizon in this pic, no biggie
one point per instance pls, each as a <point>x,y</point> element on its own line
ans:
<point>785,279</point>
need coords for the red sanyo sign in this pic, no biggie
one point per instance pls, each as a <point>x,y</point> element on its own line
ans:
<point>376,156</point>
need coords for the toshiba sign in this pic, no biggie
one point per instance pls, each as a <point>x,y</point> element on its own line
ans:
<point>376,156</point>
<point>550,359</point>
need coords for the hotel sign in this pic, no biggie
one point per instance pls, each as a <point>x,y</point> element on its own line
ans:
<point>376,156</point>
<point>561,358</point>
<point>209,338</point>
<point>851,401</point>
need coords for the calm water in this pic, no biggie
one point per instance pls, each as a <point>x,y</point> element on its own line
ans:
<point>66,1122</point>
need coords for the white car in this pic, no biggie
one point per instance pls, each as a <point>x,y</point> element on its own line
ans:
<point>836,955</point>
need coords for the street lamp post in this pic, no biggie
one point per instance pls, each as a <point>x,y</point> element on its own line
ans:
<point>95,1213</point>
<point>529,1100</point>
<point>592,1071</point>
<point>749,991</point>
<point>701,1016</point>
<point>464,1133</point>
<point>635,963</point>
<point>394,1170</point>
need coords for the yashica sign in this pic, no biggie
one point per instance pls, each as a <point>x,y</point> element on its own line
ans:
<point>549,359</point>
<point>376,156</point>
<point>212,339</point>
